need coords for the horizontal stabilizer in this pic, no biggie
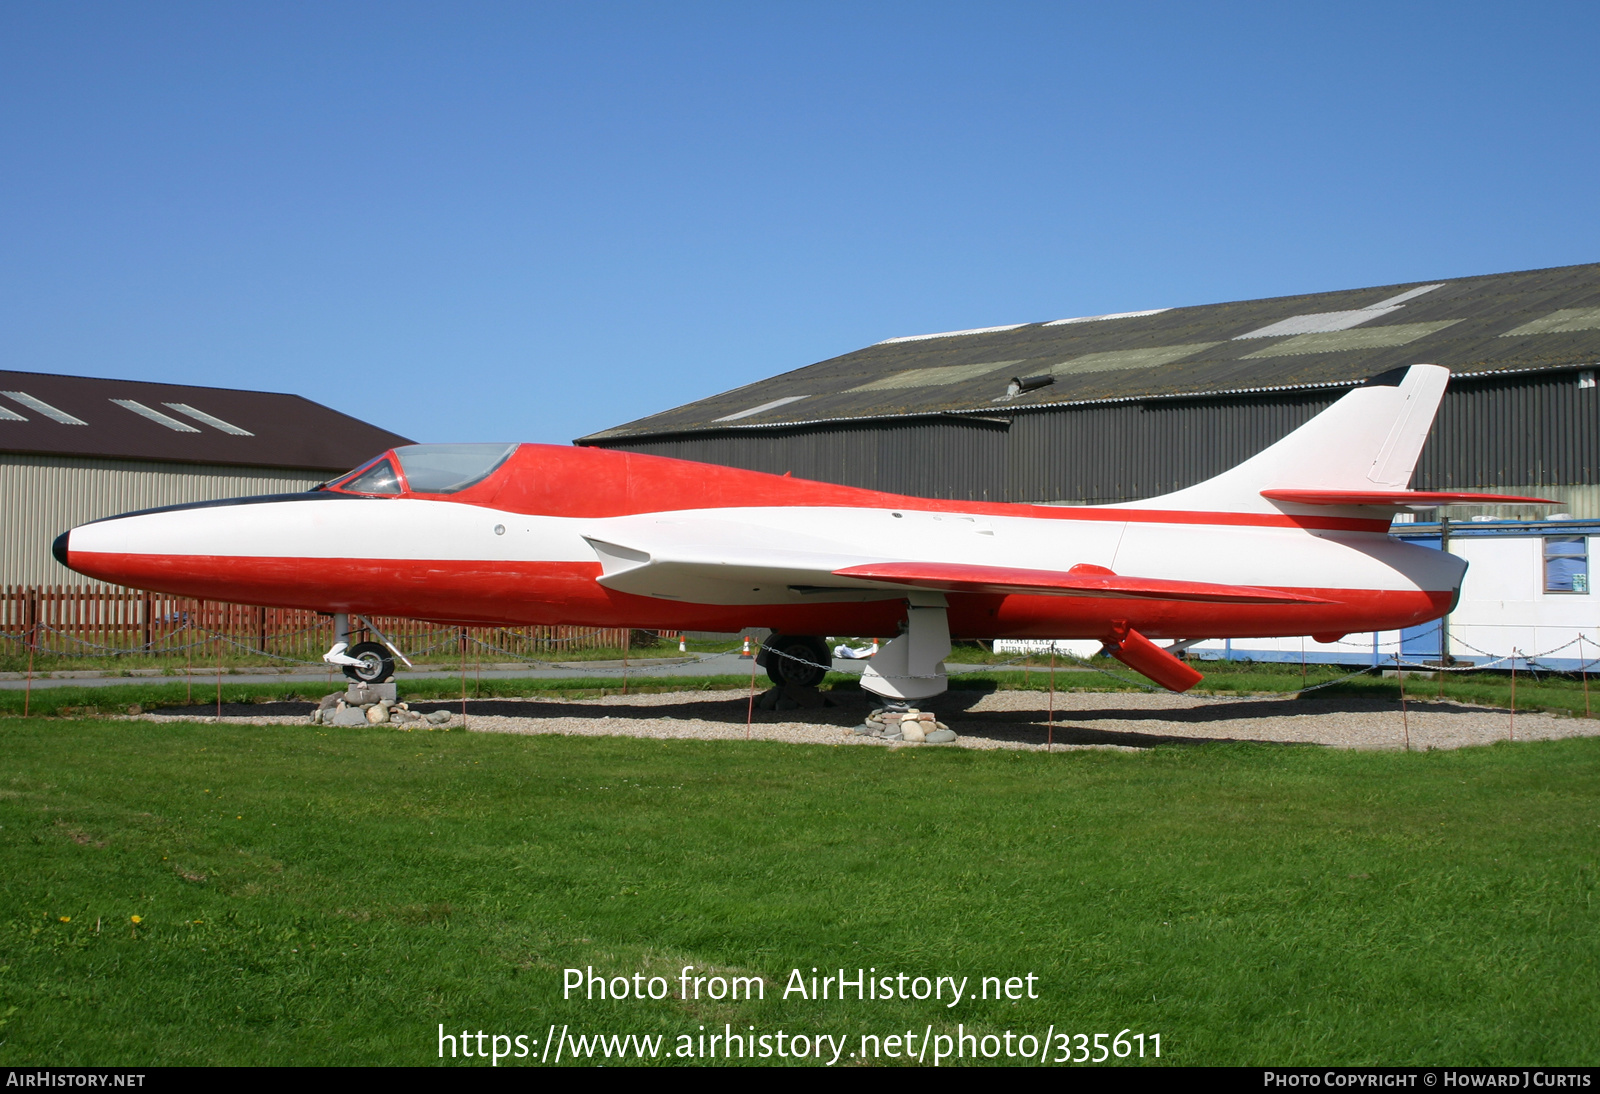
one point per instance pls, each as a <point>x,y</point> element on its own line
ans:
<point>1079,581</point>
<point>1398,499</point>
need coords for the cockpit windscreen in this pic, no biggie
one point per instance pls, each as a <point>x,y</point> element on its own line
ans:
<point>376,477</point>
<point>447,468</point>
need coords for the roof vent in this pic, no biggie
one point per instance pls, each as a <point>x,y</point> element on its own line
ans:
<point>1021,385</point>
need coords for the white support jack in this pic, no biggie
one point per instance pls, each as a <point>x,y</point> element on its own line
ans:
<point>911,666</point>
<point>341,642</point>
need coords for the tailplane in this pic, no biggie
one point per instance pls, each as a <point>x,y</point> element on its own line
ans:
<point>1368,441</point>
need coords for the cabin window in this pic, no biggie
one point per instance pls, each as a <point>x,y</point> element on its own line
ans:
<point>380,478</point>
<point>447,468</point>
<point>1566,564</point>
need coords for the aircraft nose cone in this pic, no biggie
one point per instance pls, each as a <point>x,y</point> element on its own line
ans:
<point>59,548</point>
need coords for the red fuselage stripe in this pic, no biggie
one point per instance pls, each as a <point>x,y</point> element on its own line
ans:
<point>550,593</point>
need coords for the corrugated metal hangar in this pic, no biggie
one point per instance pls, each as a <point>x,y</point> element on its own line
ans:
<point>1121,407</point>
<point>74,449</point>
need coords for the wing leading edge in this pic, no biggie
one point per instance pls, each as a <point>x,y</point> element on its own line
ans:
<point>1095,581</point>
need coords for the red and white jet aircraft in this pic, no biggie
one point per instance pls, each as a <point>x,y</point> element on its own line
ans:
<point>1293,541</point>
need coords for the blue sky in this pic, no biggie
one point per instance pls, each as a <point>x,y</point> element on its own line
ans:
<point>529,222</point>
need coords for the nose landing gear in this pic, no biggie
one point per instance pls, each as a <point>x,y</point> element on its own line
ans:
<point>365,662</point>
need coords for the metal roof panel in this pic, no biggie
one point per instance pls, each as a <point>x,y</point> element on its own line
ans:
<point>1499,323</point>
<point>239,428</point>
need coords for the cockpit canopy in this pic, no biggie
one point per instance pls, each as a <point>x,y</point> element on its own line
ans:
<point>425,469</point>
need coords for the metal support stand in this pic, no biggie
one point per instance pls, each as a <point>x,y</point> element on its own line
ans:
<point>911,666</point>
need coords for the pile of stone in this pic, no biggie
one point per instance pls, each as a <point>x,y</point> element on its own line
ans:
<point>913,726</point>
<point>373,704</point>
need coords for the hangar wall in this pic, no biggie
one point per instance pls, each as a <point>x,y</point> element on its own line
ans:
<point>1537,432</point>
<point>43,496</point>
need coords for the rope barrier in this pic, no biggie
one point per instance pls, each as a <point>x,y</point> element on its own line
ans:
<point>453,635</point>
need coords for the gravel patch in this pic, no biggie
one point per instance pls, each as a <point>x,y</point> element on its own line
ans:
<point>1005,719</point>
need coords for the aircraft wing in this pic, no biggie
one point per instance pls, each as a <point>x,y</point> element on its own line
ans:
<point>709,561</point>
<point>726,562</point>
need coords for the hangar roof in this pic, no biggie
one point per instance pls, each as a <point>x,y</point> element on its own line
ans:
<point>130,419</point>
<point>1535,320</point>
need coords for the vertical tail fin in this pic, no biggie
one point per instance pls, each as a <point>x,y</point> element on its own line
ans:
<point>1368,440</point>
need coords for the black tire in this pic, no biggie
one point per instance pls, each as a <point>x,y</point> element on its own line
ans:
<point>784,670</point>
<point>377,663</point>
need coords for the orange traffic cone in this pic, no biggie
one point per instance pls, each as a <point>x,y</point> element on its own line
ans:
<point>745,656</point>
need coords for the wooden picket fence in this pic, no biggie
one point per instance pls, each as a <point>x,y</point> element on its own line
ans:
<point>104,621</point>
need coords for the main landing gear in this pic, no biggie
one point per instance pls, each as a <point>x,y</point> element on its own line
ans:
<point>905,668</point>
<point>798,659</point>
<point>365,662</point>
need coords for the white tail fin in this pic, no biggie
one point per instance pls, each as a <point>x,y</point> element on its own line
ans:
<point>1368,440</point>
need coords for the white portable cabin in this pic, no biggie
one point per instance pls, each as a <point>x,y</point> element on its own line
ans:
<point>1527,597</point>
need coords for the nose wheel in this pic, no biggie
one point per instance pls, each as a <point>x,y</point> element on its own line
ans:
<point>364,662</point>
<point>373,663</point>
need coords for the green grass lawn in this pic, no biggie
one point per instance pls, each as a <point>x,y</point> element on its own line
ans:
<point>314,896</point>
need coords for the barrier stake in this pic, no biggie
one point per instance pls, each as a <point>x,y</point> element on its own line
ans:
<point>1302,661</point>
<point>219,662</point>
<point>477,684</point>
<point>27,695</point>
<point>463,678</point>
<point>188,662</point>
<point>1584,668</point>
<point>1512,735</point>
<point>627,638</point>
<point>750,710</point>
<point>1050,731</point>
<point>1405,721</point>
